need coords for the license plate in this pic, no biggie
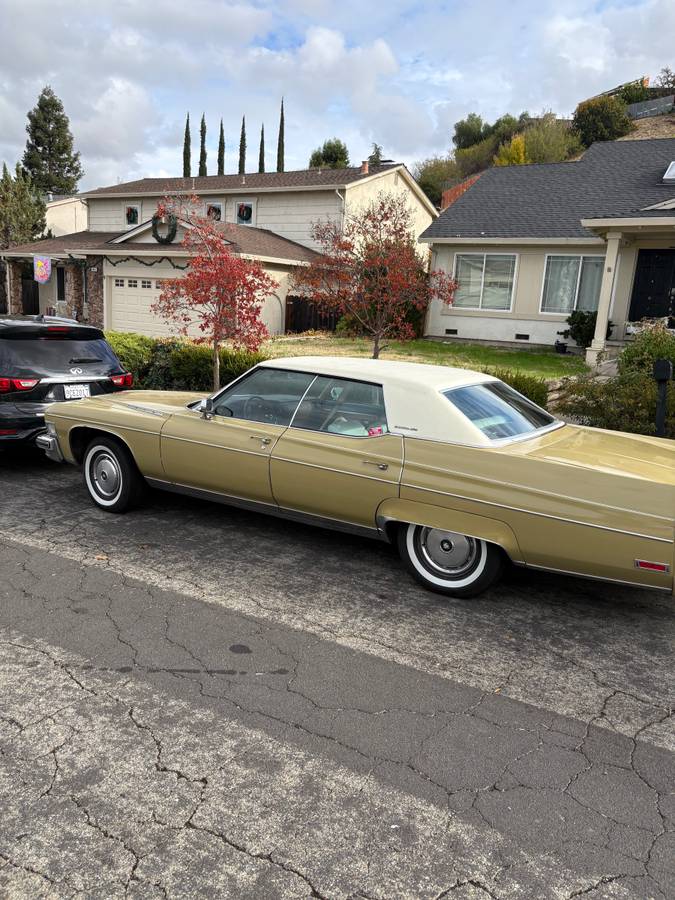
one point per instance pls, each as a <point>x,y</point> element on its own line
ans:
<point>76,391</point>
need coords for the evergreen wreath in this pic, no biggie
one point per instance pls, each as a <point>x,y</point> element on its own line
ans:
<point>171,233</point>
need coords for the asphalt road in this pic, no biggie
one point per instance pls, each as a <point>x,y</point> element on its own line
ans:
<point>202,702</point>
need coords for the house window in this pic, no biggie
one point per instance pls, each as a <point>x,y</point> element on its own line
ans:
<point>146,284</point>
<point>132,282</point>
<point>159,284</point>
<point>244,209</point>
<point>485,280</point>
<point>60,285</point>
<point>132,214</point>
<point>119,282</point>
<point>214,211</point>
<point>571,282</point>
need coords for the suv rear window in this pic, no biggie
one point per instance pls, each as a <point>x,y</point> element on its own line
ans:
<point>46,356</point>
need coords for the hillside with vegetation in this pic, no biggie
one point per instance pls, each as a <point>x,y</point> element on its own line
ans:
<point>524,139</point>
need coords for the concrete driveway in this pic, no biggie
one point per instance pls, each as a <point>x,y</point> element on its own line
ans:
<point>202,702</point>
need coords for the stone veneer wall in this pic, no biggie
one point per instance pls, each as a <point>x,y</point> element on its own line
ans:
<point>95,291</point>
<point>14,298</point>
<point>73,290</point>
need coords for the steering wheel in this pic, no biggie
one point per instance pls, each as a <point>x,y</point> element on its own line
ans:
<point>255,404</point>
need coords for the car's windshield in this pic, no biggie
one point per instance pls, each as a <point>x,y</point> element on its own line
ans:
<point>498,411</point>
<point>48,356</point>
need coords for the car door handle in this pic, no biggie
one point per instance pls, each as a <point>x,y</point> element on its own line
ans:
<point>263,440</point>
<point>378,465</point>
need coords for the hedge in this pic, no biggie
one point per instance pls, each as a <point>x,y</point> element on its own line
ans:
<point>172,364</point>
<point>531,386</point>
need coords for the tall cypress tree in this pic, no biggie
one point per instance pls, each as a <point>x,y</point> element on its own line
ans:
<point>49,157</point>
<point>261,152</point>
<point>187,150</point>
<point>202,146</point>
<point>280,142</point>
<point>221,150</point>
<point>242,147</point>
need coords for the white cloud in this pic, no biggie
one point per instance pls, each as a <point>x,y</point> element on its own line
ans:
<point>399,73</point>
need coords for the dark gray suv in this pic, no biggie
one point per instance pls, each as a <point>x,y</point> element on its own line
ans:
<point>44,359</point>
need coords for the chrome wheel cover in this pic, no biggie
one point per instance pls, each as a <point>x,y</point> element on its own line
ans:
<point>446,553</point>
<point>105,475</point>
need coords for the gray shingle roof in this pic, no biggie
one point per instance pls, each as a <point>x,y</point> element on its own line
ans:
<point>612,179</point>
<point>301,178</point>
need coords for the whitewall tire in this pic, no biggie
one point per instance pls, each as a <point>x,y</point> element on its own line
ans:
<point>111,476</point>
<point>448,562</point>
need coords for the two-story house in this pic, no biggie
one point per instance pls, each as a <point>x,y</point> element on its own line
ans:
<point>111,273</point>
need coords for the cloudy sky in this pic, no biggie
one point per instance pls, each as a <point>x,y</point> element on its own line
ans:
<point>399,72</point>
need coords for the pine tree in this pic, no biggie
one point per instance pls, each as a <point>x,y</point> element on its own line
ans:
<point>187,150</point>
<point>221,150</point>
<point>261,152</point>
<point>202,147</point>
<point>22,208</point>
<point>242,147</point>
<point>375,158</point>
<point>49,157</point>
<point>281,140</point>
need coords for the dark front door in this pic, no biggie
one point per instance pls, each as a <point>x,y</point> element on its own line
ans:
<point>30,297</point>
<point>654,287</point>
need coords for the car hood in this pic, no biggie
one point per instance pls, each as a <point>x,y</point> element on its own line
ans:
<point>154,402</point>
<point>612,452</point>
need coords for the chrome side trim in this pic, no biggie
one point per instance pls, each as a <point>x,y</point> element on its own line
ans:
<point>267,508</point>
<point>541,515</point>
<point>635,584</point>
<point>75,379</point>
<point>298,462</point>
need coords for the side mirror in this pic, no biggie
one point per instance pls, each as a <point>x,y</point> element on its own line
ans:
<point>207,408</point>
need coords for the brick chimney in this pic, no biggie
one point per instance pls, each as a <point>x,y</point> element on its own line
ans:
<point>364,167</point>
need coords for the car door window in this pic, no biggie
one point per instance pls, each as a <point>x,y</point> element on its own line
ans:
<point>341,406</point>
<point>266,395</point>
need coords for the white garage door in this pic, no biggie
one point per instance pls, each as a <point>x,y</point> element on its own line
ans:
<point>131,299</point>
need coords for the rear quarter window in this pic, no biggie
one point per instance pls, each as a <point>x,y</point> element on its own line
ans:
<point>498,411</point>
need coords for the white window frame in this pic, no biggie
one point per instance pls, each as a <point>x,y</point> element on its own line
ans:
<point>139,208</point>
<point>119,282</point>
<point>252,203</point>
<point>146,283</point>
<point>215,202</point>
<point>132,283</point>
<point>480,307</point>
<point>581,256</point>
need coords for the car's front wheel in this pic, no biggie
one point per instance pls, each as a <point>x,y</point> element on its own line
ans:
<point>448,562</point>
<point>111,477</point>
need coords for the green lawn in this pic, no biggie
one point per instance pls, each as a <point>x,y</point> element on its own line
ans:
<point>542,363</point>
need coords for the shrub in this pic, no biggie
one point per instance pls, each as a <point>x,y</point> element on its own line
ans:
<point>531,386</point>
<point>635,92</point>
<point>476,158</point>
<point>549,140</point>
<point>434,175</point>
<point>582,327</point>
<point>513,153</point>
<point>134,352</point>
<point>601,119</point>
<point>653,342</point>
<point>173,364</point>
<point>624,403</point>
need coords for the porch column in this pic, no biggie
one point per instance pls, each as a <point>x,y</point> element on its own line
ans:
<point>599,342</point>
<point>14,290</point>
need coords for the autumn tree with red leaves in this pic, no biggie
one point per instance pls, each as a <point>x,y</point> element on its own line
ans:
<point>371,271</point>
<point>221,294</point>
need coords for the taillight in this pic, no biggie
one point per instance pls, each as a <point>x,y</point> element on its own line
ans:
<point>7,385</point>
<point>6,431</point>
<point>126,380</point>
<point>57,329</point>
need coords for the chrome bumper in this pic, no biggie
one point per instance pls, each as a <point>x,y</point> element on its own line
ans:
<point>50,444</point>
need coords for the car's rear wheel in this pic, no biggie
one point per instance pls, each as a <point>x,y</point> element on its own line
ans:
<point>111,476</point>
<point>448,562</point>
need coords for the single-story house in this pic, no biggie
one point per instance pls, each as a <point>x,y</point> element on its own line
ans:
<point>530,244</point>
<point>111,273</point>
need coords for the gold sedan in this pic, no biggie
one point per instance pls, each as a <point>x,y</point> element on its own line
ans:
<point>455,467</point>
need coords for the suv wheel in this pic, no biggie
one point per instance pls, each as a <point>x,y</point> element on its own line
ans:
<point>447,562</point>
<point>111,476</point>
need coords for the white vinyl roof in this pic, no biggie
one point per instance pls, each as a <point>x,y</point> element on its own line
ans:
<point>412,393</point>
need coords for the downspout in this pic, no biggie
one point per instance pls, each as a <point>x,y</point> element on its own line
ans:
<point>342,208</point>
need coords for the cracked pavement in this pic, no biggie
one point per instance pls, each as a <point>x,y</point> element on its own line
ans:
<point>200,702</point>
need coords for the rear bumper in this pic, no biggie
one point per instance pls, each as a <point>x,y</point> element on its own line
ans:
<point>50,444</point>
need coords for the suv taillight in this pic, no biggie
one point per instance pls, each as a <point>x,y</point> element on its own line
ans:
<point>7,385</point>
<point>126,380</point>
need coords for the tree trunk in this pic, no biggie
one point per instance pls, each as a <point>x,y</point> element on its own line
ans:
<point>376,346</point>
<point>216,367</point>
